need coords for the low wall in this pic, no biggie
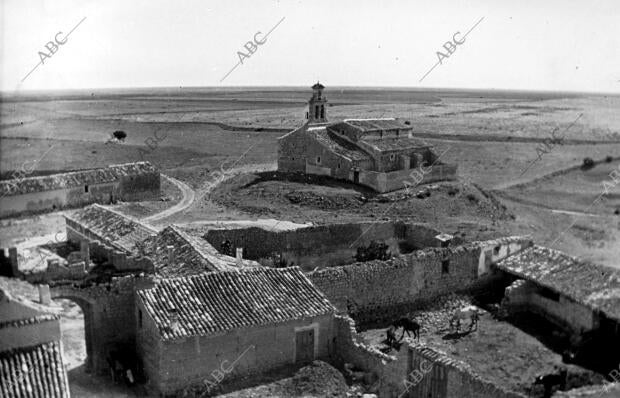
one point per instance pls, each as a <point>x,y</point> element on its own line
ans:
<point>432,373</point>
<point>377,291</point>
<point>325,245</point>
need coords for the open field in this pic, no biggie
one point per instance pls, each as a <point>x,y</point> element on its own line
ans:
<point>492,135</point>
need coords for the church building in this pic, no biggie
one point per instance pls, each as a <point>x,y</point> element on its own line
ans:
<point>381,153</point>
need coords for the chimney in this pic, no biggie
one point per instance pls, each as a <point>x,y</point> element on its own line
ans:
<point>45,297</point>
<point>170,250</point>
<point>85,252</point>
<point>444,239</point>
<point>240,257</point>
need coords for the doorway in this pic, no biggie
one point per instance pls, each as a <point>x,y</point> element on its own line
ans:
<point>304,346</point>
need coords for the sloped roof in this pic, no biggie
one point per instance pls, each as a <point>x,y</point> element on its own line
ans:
<point>216,302</point>
<point>20,186</point>
<point>595,286</point>
<point>192,255</point>
<point>113,228</point>
<point>337,145</point>
<point>368,125</point>
<point>36,372</point>
<point>394,144</point>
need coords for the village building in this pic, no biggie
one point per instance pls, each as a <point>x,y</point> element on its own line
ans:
<point>237,323</point>
<point>31,359</point>
<point>126,182</point>
<point>579,296</point>
<point>380,153</point>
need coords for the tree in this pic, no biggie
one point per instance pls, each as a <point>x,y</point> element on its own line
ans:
<point>119,135</point>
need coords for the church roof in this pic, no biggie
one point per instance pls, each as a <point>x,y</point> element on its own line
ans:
<point>369,125</point>
<point>338,145</point>
<point>318,86</point>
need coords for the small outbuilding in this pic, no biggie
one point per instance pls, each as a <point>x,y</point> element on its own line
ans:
<point>207,329</point>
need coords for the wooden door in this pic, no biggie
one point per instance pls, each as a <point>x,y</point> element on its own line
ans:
<point>304,346</point>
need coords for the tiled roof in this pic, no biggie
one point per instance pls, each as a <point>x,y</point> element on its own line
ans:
<point>216,302</point>
<point>595,286</point>
<point>338,145</point>
<point>368,125</point>
<point>36,372</point>
<point>394,144</point>
<point>73,178</point>
<point>113,228</point>
<point>192,255</point>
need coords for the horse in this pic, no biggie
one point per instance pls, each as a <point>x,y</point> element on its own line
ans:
<point>408,325</point>
<point>469,312</point>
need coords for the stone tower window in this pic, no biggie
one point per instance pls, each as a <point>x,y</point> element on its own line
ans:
<point>318,159</point>
<point>85,188</point>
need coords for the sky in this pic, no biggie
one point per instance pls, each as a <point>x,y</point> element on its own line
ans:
<point>555,45</point>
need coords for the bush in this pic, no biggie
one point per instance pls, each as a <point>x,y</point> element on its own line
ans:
<point>608,159</point>
<point>119,135</point>
<point>588,163</point>
<point>374,251</point>
<point>407,122</point>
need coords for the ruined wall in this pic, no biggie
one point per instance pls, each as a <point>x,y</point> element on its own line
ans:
<point>109,315</point>
<point>256,350</point>
<point>56,271</point>
<point>129,188</point>
<point>527,296</point>
<point>377,291</point>
<point>434,374</point>
<point>383,372</point>
<point>325,245</point>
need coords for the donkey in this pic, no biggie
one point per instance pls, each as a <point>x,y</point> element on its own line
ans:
<point>470,312</point>
<point>408,325</point>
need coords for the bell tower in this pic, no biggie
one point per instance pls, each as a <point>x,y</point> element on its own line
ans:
<point>316,105</point>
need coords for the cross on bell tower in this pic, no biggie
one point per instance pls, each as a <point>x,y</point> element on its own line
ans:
<point>316,105</point>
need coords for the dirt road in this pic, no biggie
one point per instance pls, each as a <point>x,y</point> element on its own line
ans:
<point>184,203</point>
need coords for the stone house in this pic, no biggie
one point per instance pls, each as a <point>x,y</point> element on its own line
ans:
<point>127,182</point>
<point>31,360</point>
<point>579,296</point>
<point>380,153</point>
<point>196,330</point>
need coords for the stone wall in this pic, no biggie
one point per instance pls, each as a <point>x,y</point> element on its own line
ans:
<point>109,315</point>
<point>325,245</point>
<point>432,373</point>
<point>394,180</point>
<point>292,149</point>
<point>196,361</point>
<point>377,291</point>
<point>130,188</point>
<point>570,315</point>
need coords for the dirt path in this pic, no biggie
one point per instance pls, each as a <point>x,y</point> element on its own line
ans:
<point>184,203</point>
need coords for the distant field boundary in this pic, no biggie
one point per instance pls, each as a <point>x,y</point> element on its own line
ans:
<point>486,137</point>
<point>551,175</point>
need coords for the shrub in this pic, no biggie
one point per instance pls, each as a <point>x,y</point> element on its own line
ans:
<point>119,135</point>
<point>407,122</point>
<point>374,251</point>
<point>588,163</point>
<point>608,159</point>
